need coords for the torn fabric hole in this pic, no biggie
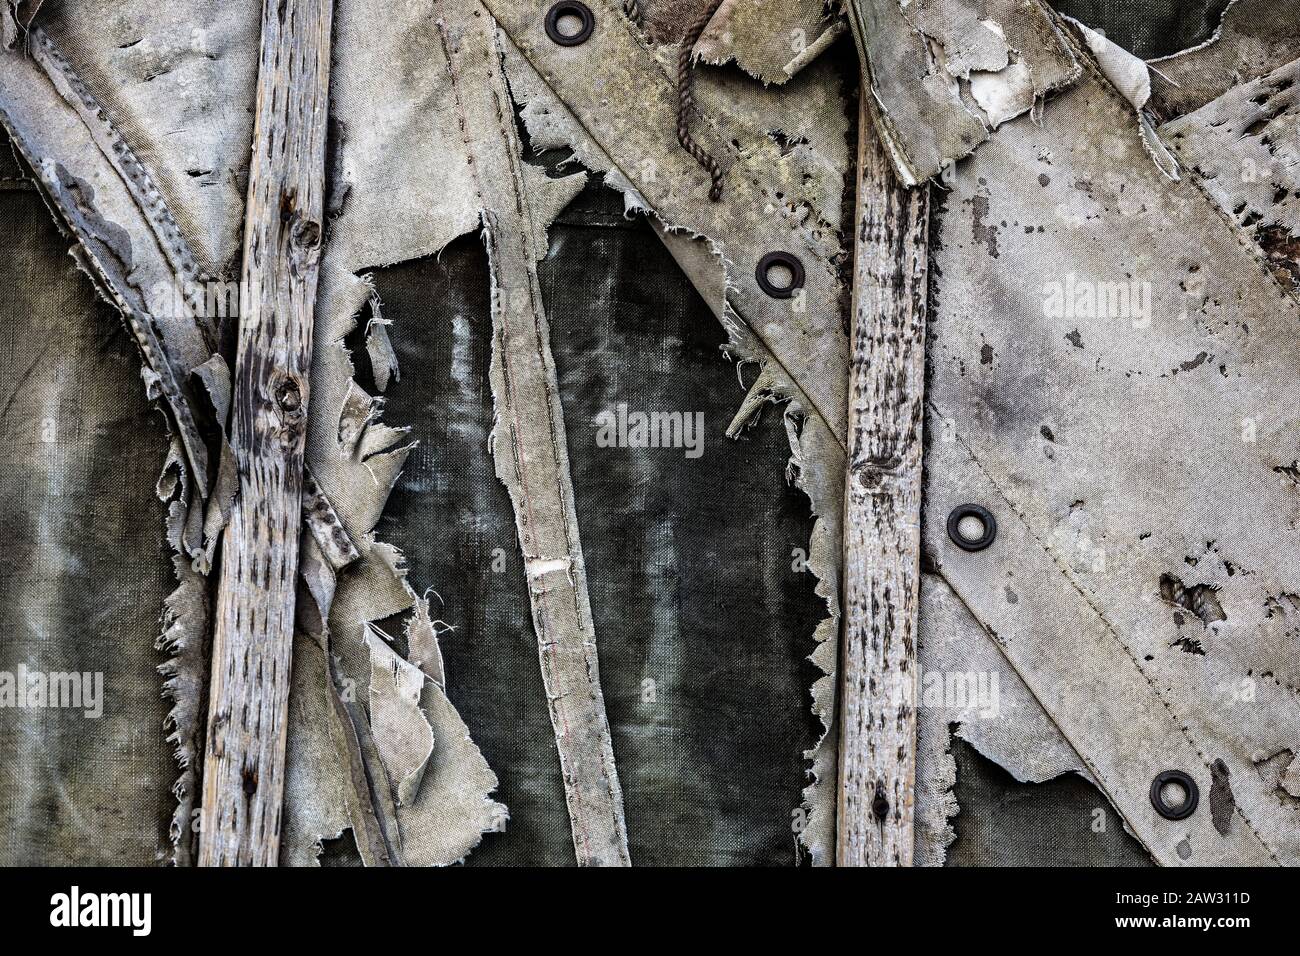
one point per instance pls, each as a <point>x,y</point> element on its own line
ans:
<point>356,458</point>
<point>815,449</point>
<point>528,444</point>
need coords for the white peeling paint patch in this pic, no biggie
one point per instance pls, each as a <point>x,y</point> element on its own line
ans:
<point>1003,95</point>
<point>537,567</point>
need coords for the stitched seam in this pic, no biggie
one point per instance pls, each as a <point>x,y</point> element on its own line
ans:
<point>1101,617</point>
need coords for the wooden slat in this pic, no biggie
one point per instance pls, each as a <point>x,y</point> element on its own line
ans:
<point>243,780</point>
<point>530,443</point>
<point>882,513</point>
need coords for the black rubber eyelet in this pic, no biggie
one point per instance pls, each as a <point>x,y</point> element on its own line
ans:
<point>797,275</point>
<point>570,8</point>
<point>983,515</point>
<point>1184,809</point>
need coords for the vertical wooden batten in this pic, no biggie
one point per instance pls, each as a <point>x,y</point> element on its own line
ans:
<point>243,780</point>
<point>882,528</point>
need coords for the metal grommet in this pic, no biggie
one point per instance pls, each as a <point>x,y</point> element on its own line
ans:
<point>981,514</point>
<point>570,8</point>
<point>765,265</point>
<point>1187,807</point>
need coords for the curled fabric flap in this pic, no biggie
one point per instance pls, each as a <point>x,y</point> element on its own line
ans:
<point>1131,77</point>
<point>453,809</point>
<point>1129,74</point>
<point>383,360</point>
<point>771,40</point>
<point>422,643</point>
<point>944,73</point>
<point>333,777</point>
<point>402,732</point>
<point>214,374</point>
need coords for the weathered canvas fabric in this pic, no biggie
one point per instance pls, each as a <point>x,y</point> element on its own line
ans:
<point>528,635</point>
<point>85,565</point>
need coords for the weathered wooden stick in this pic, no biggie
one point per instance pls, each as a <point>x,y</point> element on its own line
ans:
<point>882,501</point>
<point>529,444</point>
<point>243,779</point>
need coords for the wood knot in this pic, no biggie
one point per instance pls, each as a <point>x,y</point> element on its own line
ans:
<point>873,474</point>
<point>304,246</point>
<point>289,401</point>
<point>288,396</point>
<point>305,234</point>
<point>880,803</point>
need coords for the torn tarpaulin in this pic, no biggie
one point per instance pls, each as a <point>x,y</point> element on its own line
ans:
<point>426,149</point>
<point>1024,418</point>
<point>1245,149</point>
<point>810,122</point>
<point>356,458</point>
<point>529,444</point>
<point>772,40</point>
<point>944,73</point>
<point>130,245</point>
<point>772,199</point>
<point>1255,37</point>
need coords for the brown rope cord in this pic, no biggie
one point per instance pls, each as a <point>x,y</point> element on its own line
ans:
<point>686,99</point>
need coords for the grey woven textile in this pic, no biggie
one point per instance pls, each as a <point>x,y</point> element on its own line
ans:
<point>84,567</point>
<point>704,610</point>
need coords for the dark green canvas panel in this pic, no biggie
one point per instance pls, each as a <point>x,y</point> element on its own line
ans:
<point>702,620</point>
<point>703,610</point>
<point>452,518</point>
<point>84,567</point>
<point>1149,28</point>
<point>1064,822</point>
